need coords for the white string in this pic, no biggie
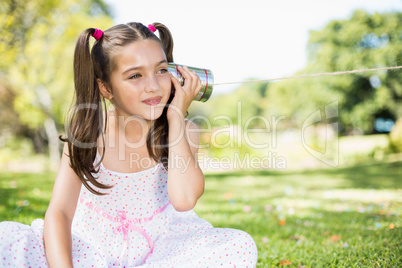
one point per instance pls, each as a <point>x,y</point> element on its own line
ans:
<point>310,75</point>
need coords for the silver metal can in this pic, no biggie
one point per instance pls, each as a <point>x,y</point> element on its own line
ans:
<point>205,75</point>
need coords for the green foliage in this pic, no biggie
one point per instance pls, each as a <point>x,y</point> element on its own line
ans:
<point>237,107</point>
<point>226,118</point>
<point>38,40</point>
<point>16,148</point>
<point>296,99</point>
<point>363,41</point>
<point>395,137</point>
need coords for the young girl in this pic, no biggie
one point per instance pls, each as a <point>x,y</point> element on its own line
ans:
<point>123,196</point>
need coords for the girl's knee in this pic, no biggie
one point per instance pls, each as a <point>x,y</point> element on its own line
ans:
<point>249,242</point>
<point>244,246</point>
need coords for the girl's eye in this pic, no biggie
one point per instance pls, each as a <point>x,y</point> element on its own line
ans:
<point>135,76</point>
<point>164,70</point>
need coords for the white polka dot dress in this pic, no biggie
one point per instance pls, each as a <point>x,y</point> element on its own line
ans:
<point>134,225</point>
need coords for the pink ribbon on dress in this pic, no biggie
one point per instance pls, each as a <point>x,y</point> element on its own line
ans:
<point>125,225</point>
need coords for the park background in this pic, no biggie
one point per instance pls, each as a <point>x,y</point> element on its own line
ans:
<point>310,167</point>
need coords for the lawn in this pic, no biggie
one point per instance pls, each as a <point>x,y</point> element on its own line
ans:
<point>345,217</point>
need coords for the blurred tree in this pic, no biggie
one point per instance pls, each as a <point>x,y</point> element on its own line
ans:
<point>229,116</point>
<point>395,137</point>
<point>37,40</point>
<point>361,42</point>
<point>240,105</point>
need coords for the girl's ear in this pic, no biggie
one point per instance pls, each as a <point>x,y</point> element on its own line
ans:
<point>104,91</point>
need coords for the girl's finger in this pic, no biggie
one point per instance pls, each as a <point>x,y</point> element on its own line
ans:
<point>195,81</point>
<point>175,82</point>
<point>194,75</point>
<point>185,72</point>
<point>198,85</point>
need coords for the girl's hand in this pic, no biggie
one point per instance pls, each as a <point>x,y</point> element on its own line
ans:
<point>185,94</point>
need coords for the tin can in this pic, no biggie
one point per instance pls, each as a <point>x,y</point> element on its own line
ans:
<point>205,75</point>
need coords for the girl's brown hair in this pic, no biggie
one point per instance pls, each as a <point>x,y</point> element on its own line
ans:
<point>85,123</point>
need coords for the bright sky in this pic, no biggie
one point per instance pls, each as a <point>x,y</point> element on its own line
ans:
<point>239,40</point>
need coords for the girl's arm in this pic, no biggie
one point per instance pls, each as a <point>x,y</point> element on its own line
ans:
<point>59,215</point>
<point>185,178</point>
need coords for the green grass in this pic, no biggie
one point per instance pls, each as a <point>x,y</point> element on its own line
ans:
<point>347,217</point>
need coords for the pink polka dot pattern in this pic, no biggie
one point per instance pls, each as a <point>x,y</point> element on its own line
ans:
<point>133,226</point>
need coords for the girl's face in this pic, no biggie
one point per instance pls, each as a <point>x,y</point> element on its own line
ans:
<point>140,73</point>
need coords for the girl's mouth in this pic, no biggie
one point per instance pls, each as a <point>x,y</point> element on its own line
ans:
<point>152,101</point>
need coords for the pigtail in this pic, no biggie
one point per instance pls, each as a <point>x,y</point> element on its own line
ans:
<point>167,40</point>
<point>85,122</point>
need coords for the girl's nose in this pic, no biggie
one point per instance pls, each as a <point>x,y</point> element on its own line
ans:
<point>152,84</point>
